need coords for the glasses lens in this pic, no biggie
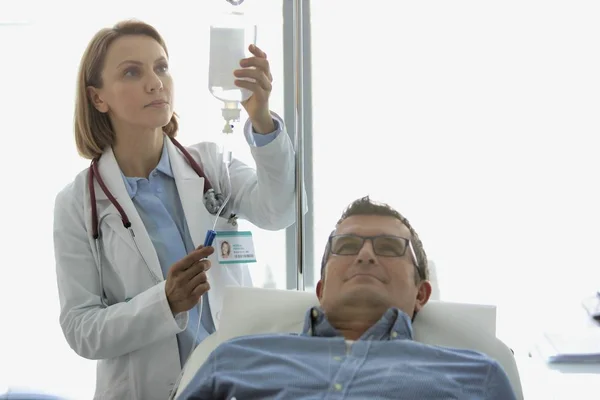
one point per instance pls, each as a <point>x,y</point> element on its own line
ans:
<point>389,246</point>
<point>346,245</point>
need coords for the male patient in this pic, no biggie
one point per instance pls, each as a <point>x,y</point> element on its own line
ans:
<point>358,343</point>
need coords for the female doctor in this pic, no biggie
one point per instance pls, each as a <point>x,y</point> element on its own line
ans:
<point>136,285</point>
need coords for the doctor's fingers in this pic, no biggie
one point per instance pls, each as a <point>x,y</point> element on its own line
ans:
<point>259,64</point>
<point>257,75</point>
<point>196,281</point>
<point>195,269</point>
<point>191,259</point>
<point>200,290</point>
<point>257,51</point>
<point>198,254</point>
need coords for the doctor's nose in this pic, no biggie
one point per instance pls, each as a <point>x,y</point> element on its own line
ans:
<point>154,84</point>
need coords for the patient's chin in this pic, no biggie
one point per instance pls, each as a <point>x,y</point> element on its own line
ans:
<point>366,296</point>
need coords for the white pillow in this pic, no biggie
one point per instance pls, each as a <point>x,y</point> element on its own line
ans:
<point>433,279</point>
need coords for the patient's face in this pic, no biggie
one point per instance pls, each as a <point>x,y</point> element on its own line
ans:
<point>369,280</point>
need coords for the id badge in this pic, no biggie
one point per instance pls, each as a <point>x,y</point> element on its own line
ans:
<point>235,247</point>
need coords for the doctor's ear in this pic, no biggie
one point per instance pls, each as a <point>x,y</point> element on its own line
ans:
<point>96,100</point>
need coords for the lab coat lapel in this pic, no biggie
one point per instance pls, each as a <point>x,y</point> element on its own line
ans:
<point>113,179</point>
<point>191,192</point>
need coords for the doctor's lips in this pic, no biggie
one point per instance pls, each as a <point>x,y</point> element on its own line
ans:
<point>157,103</point>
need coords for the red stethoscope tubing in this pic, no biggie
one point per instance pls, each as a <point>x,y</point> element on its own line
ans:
<point>94,173</point>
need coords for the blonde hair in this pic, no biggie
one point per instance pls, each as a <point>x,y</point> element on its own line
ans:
<point>93,130</point>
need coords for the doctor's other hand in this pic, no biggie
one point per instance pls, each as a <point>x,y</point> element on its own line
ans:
<point>187,281</point>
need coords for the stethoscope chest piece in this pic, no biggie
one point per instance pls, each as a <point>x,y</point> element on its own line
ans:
<point>213,201</point>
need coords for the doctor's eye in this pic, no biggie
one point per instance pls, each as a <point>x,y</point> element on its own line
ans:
<point>131,72</point>
<point>162,68</point>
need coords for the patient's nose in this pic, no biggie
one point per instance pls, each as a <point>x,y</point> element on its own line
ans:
<point>365,261</point>
<point>366,255</point>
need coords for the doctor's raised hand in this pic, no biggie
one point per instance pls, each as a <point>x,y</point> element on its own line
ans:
<point>137,290</point>
<point>257,69</point>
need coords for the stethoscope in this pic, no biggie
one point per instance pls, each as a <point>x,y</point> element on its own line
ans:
<point>213,202</point>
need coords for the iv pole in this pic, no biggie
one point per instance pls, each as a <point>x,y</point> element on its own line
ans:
<point>298,35</point>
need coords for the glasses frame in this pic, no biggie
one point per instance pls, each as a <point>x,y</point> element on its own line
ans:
<point>408,245</point>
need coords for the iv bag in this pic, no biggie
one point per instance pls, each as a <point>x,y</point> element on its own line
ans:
<point>230,36</point>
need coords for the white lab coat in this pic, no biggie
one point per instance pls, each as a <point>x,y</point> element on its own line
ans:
<point>135,341</point>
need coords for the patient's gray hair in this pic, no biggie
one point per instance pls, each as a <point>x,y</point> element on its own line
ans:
<point>365,206</point>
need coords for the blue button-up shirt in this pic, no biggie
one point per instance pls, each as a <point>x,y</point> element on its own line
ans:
<point>157,202</point>
<point>385,363</point>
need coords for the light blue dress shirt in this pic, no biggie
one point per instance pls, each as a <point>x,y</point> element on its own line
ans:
<point>385,363</point>
<point>159,206</point>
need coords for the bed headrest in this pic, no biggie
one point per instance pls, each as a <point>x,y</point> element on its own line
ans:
<point>289,308</point>
<point>248,311</point>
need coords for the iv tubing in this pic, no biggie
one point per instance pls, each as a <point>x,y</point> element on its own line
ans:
<point>226,162</point>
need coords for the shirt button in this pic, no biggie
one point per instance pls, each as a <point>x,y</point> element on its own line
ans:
<point>315,313</point>
<point>154,173</point>
<point>394,334</point>
<point>337,358</point>
<point>337,386</point>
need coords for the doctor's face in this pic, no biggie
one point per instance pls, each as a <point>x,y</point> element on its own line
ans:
<point>137,89</point>
<point>368,279</point>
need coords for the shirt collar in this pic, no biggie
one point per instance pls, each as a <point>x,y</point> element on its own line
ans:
<point>164,166</point>
<point>394,324</point>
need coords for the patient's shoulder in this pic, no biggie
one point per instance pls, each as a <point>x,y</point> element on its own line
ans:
<point>251,347</point>
<point>464,353</point>
<point>454,354</point>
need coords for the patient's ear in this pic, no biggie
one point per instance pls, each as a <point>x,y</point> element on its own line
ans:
<point>423,294</point>
<point>320,289</point>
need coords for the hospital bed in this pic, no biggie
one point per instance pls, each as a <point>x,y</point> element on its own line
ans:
<point>249,311</point>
